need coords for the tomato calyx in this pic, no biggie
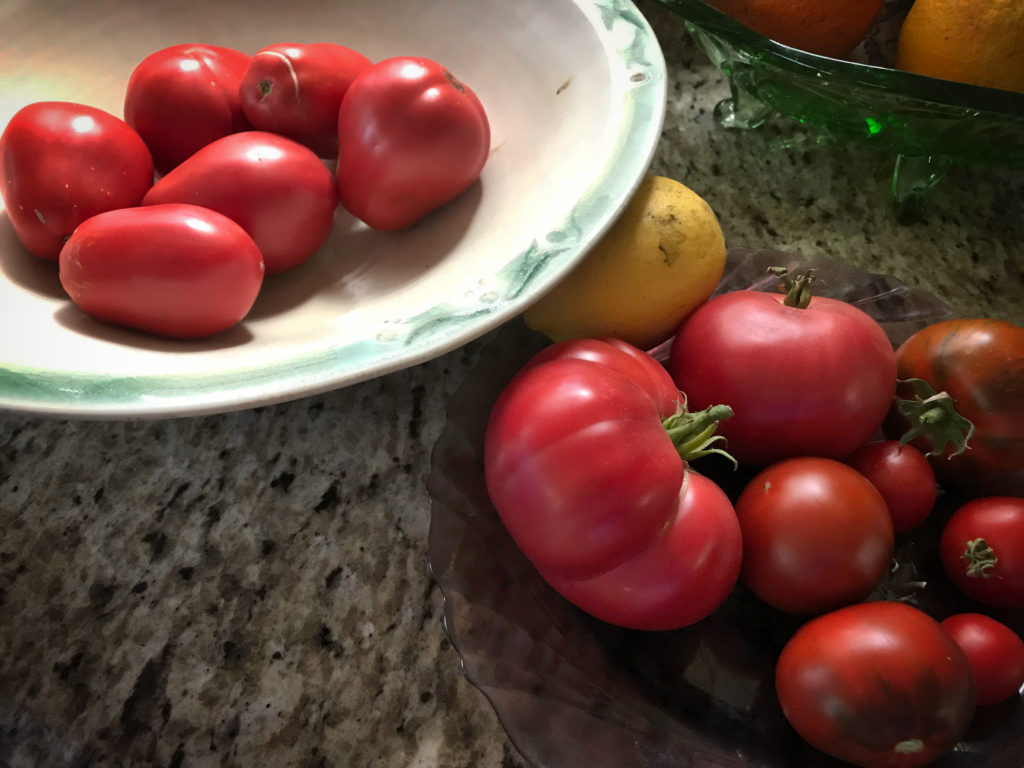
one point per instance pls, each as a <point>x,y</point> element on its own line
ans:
<point>901,583</point>
<point>796,287</point>
<point>934,414</point>
<point>980,558</point>
<point>693,433</point>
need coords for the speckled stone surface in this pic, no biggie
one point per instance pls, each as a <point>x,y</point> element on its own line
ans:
<point>252,589</point>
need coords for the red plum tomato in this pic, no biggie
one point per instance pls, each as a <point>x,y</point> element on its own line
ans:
<point>878,684</point>
<point>995,653</point>
<point>982,550</point>
<point>174,270</point>
<point>411,137</point>
<point>183,97</point>
<point>904,477</point>
<point>588,481</point>
<point>816,535</point>
<point>278,190</point>
<point>979,363</point>
<point>61,163</point>
<point>811,381</point>
<point>295,89</point>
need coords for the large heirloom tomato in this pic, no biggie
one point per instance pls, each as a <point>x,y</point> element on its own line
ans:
<point>582,465</point>
<point>175,270</point>
<point>982,550</point>
<point>979,364</point>
<point>804,377</point>
<point>183,97</point>
<point>876,684</point>
<point>276,188</point>
<point>61,163</point>
<point>411,137</point>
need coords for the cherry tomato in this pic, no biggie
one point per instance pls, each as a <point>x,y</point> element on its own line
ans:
<point>816,535</point>
<point>904,477</point>
<point>183,97</point>
<point>174,270</point>
<point>979,363</point>
<point>982,550</point>
<point>876,684</point>
<point>581,467</point>
<point>61,163</point>
<point>814,380</point>
<point>411,138</point>
<point>295,89</point>
<point>276,188</point>
<point>995,653</point>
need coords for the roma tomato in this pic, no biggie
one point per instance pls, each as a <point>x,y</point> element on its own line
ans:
<point>61,163</point>
<point>183,97</point>
<point>276,188</point>
<point>803,379</point>
<point>904,477</point>
<point>995,653</point>
<point>411,137</point>
<point>979,363</point>
<point>982,550</point>
<point>816,535</point>
<point>582,464</point>
<point>876,684</point>
<point>295,89</point>
<point>174,270</point>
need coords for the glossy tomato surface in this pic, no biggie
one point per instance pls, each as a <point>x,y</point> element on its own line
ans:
<point>876,684</point>
<point>183,97</point>
<point>982,550</point>
<point>816,535</point>
<point>979,362</point>
<point>61,163</point>
<point>174,270</point>
<point>591,487</point>
<point>995,653</point>
<point>277,189</point>
<point>411,137</point>
<point>815,381</point>
<point>295,89</point>
<point>904,477</point>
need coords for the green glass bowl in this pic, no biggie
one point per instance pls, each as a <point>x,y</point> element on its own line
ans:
<point>926,123</point>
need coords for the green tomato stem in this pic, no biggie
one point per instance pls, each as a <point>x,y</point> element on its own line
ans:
<point>980,557</point>
<point>693,434</point>
<point>796,287</point>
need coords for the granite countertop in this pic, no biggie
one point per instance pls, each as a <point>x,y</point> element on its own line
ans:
<point>252,589</point>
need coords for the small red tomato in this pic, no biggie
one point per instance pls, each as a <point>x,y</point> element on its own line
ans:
<point>410,139</point>
<point>183,97</point>
<point>878,684</point>
<point>904,477</point>
<point>816,535</point>
<point>995,653</point>
<point>982,550</point>
<point>277,189</point>
<point>174,270</point>
<point>295,89</point>
<point>61,163</point>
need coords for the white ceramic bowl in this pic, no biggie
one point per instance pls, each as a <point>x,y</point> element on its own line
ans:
<point>575,92</point>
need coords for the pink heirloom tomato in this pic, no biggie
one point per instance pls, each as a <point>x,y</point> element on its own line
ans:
<point>61,163</point>
<point>183,97</point>
<point>805,375</point>
<point>295,89</point>
<point>278,190</point>
<point>174,270</point>
<point>411,137</point>
<point>584,463</point>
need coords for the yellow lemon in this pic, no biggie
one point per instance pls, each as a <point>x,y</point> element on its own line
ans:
<point>660,260</point>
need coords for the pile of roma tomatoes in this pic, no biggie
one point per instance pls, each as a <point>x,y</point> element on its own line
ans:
<point>836,446</point>
<point>229,167</point>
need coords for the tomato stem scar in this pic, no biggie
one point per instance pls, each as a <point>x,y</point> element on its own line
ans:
<point>980,557</point>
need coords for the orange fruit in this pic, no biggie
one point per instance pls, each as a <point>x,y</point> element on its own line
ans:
<point>980,42</point>
<point>826,27</point>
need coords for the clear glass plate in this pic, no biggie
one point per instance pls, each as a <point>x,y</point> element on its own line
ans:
<point>572,692</point>
<point>926,123</point>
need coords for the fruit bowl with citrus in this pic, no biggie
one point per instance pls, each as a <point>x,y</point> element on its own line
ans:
<point>931,82</point>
